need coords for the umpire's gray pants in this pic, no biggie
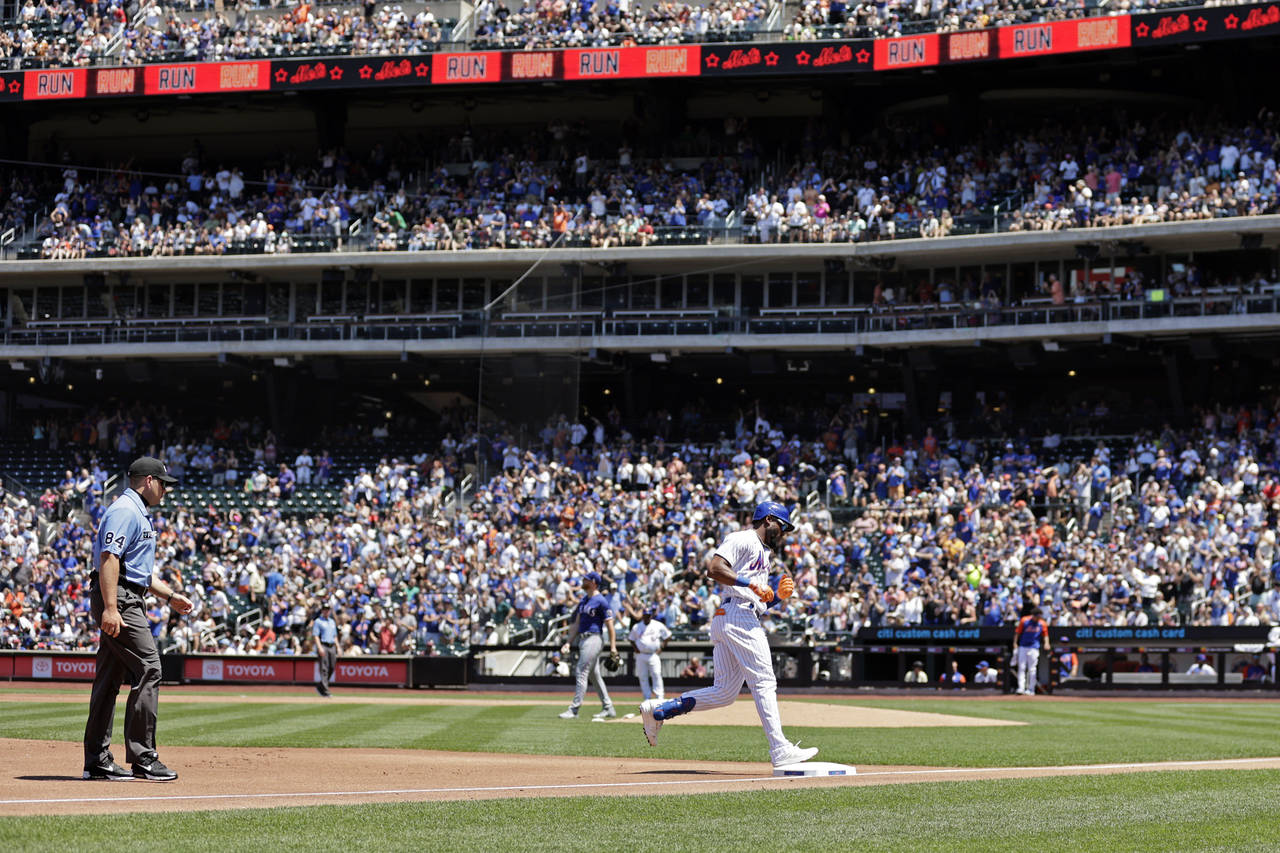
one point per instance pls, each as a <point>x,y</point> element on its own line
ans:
<point>589,646</point>
<point>133,656</point>
<point>327,658</point>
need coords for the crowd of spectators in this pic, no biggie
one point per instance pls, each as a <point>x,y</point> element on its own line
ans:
<point>64,33</point>
<point>1164,527</point>
<point>599,23</point>
<point>565,190</point>
<point>838,19</point>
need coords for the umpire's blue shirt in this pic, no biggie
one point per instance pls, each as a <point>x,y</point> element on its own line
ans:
<point>325,630</point>
<point>126,532</point>
<point>592,612</point>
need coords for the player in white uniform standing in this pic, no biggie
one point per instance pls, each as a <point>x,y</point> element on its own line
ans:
<point>741,566</point>
<point>649,637</point>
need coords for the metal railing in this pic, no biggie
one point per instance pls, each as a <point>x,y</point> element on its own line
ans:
<point>841,320</point>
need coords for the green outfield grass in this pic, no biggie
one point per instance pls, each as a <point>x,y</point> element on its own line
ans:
<point>1056,732</point>
<point>1200,811</point>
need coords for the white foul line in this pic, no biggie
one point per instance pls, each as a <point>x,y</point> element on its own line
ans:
<point>593,785</point>
<point>389,791</point>
<point>1138,765</point>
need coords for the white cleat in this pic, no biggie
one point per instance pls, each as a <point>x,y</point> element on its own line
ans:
<point>569,714</point>
<point>792,754</point>
<point>606,714</point>
<point>651,723</point>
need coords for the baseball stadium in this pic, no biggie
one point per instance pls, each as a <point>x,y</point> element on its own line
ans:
<point>548,425</point>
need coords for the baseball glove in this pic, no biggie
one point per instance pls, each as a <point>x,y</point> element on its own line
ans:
<point>786,587</point>
<point>613,661</point>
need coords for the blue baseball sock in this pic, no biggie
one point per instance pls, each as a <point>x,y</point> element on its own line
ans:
<point>674,707</point>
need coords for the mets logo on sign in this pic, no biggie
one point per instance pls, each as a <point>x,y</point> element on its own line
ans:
<point>211,670</point>
<point>42,667</point>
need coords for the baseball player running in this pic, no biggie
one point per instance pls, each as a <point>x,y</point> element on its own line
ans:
<point>741,567</point>
<point>1031,634</point>
<point>592,617</point>
<point>649,637</point>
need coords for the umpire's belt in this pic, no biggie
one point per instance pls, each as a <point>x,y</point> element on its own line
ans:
<point>137,588</point>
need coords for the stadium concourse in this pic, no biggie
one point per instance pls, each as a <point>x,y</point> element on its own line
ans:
<point>572,186</point>
<point>1168,526</point>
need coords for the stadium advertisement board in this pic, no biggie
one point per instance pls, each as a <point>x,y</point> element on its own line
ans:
<point>54,666</point>
<point>239,669</point>
<point>373,670</point>
<point>650,61</point>
<point>347,72</point>
<point>1064,37</point>
<point>54,83</point>
<point>204,77</point>
<point>260,669</point>
<point>622,63</point>
<point>1206,24</point>
<point>812,57</point>
<point>1100,634</point>
<point>907,52</point>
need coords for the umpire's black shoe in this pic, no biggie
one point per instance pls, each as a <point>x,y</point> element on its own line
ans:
<point>109,772</point>
<point>153,771</point>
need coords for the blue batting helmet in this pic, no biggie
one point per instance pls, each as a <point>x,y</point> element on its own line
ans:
<point>773,509</point>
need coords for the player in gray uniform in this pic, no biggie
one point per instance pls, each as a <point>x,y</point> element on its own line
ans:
<point>592,618</point>
<point>124,554</point>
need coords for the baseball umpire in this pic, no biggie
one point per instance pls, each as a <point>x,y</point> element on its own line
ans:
<point>124,553</point>
<point>591,618</point>
<point>325,630</point>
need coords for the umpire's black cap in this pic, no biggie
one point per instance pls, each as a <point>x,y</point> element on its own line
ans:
<point>149,466</point>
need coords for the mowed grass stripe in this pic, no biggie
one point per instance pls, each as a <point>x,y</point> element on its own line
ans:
<point>1196,811</point>
<point>1058,734</point>
<point>296,726</point>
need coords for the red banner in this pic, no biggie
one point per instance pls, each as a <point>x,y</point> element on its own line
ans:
<point>240,669</point>
<point>1064,37</point>
<point>467,67</point>
<point>370,670</point>
<point>201,77</point>
<point>55,667</point>
<point>614,63</point>
<point>6,667</point>
<point>55,83</point>
<point>906,52</point>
